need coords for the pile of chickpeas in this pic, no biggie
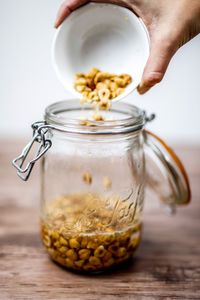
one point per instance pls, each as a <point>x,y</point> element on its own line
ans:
<point>91,246</point>
<point>99,88</point>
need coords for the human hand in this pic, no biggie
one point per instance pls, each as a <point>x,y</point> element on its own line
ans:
<point>170,23</point>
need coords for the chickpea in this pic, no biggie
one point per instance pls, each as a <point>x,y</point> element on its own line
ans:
<point>80,81</point>
<point>121,252</point>
<point>79,263</point>
<point>94,261</point>
<point>84,254</point>
<point>84,242</point>
<point>93,72</point>
<point>63,241</point>
<point>87,178</point>
<point>46,240</point>
<point>100,251</point>
<point>104,94</point>
<point>73,243</point>
<point>89,267</point>
<point>63,249</point>
<point>119,91</point>
<point>61,260</point>
<point>104,104</point>
<point>98,117</point>
<point>69,263</point>
<point>55,235</point>
<point>107,256</point>
<point>101,85</point>
<point>92,245</point>
<point>72,254</point>
<point>80,88</point>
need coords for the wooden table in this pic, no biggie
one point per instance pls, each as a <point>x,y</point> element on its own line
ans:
<point>166,266</point>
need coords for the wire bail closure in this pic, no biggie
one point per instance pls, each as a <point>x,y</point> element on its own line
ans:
<point>40,130</point>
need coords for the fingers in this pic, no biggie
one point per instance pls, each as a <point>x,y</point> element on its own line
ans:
<point>161,52</point>
<point>66,8</point>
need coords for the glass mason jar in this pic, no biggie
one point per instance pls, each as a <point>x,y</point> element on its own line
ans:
<point>92,182</point>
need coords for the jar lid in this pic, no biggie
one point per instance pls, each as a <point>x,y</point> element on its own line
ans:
<point>166,175</point>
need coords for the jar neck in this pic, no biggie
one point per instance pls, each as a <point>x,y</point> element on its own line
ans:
<point>123,118</point>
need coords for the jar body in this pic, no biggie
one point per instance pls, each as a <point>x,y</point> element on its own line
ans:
<point>92,199</point>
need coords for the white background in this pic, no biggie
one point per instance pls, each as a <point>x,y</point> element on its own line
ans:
<point>28,82</point>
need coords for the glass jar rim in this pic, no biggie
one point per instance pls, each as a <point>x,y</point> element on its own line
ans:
<point>135,120</point>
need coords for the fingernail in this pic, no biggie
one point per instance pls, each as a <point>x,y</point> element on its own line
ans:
<point>56,24</point>
<point>143,88</point>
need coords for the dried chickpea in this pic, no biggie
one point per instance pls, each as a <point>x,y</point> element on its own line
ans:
<point>84,254</point>
<point>113,94</point>
<point>78,75</point>
<point>93,96</point>
<point>61,260</point>
<point>63,241</point>
<point>72,254</point>
<point>104,94</point>
<point>97,117</point>
<point>101,76</point>
<point>57,244</point>
<point>90,83</point>
<point>63,249</point>
<point>114,248</point>
<point>79,263</point>
<point>80,81</point>
<point>101,85</point>
<point>89,267</point>
<point>80,88</point>
<point>87,178</point>
<point>119,81</point>
<point>107,256</point>
<point>73,243</point>
<point>46,240</point>
<point>53,253</point>
<point>121,252</point>
<point>83,121</point>
<point>93,72</point>
<point>119,91</point>
<point>94,261</point>
<point>127,78</point>
<point>69,263</point>
<point>92,244</point>
<point>113,86</point>
<point>104,104</point>
<point>100,251</point>
<point>134,243</point>
<point>55,235</point>
<point>84,242</point>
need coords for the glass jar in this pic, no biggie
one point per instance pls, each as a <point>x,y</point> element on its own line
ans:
<point>92,182</point>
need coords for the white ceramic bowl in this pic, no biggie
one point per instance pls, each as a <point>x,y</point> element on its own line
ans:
<point>105,36</point>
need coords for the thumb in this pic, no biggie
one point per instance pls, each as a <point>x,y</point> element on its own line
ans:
<point>67,7</point>
<point>161,52</point>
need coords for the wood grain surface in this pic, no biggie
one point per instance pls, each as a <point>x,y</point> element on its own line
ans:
<point>166,265</point>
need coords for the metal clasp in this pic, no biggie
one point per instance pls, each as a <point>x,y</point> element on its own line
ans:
<point>40,130</point>
<point>149,118</point>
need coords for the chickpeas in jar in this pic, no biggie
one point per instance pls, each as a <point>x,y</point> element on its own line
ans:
<point>85,236</point>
